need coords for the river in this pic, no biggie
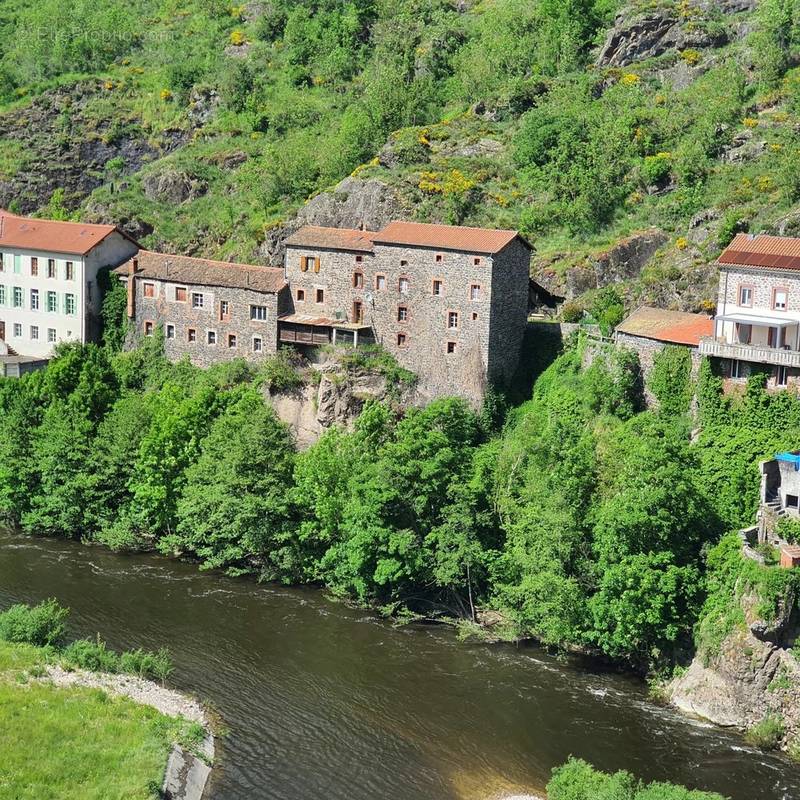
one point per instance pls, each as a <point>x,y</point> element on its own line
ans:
<point>324,701</point>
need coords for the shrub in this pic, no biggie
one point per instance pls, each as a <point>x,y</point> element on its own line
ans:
<point>41,625</point>
<point>670,380</point>
<point>608,309</point>
<point>280,374</point>
<point>732,223</point>
<point>571,311</point>
<point>789,529</point>
<point>767,734</point>
<point>656,169</point>
<point>93,655</point>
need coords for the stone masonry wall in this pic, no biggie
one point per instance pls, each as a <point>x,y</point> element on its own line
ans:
<point>425,351</point>
<point>164,310</point>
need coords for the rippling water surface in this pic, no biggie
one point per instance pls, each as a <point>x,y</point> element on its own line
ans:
<point>322,701</point>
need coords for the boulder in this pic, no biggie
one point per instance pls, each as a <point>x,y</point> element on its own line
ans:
<point>203,104</point>
<point>172,186</point>
<point>743,148</point>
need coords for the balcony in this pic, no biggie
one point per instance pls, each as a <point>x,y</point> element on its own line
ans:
<point>761,354</point>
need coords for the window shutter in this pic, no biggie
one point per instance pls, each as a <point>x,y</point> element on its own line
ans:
<point>303,263</point>
<point>316,264</point>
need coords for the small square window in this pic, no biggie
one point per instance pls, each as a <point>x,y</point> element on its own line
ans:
<point>180,294</point>
<point>380,282</point>
<point>232,340</point>
<point>301,295</point>
<point>34,332</point>
<point>51,335</point>
<point>403,263</point>
<point>149,290</point>
<point>320,295</point>
<point>359,259</point>
<point>451,347</point>
<point>474,315</point>
<point>148,329</point>
<point>401,340</point>
<point>476,261</point>
<point>258,344</point>
<point>437,288</point>
<point>438,258</point>
<point>191,335</point>
<point>170,331</point>
<point>198,300</point>
<point>211,337</point>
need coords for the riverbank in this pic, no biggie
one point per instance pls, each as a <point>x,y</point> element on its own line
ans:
<point>96,736</point>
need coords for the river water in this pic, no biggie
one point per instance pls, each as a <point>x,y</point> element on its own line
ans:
<point>324,701</point>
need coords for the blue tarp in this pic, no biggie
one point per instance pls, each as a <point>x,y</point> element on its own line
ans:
<point>790,458</point>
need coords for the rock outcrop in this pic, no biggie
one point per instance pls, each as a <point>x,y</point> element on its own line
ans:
<point>170,185</point>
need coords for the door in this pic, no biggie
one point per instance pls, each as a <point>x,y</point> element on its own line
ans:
<point>358,312</point>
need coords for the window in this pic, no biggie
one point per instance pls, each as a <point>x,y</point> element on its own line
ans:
<point>380,282</point>
<point>475,291</point>
<point>69,271</point>
<point>301,295</point>
<point>2,265</point>
<point>17,329</point>
<point>476,261</point>
<point>258,344</point>
<point>307,262</point>
<point>224,309</point>
<point>451,348</point>
<point>2,295</point>
<point>258,313</point>
<point>19,297</point>
<point>180,294</point>
<point>191,335</point>
<point>170,331</point>
<point>69,304</point>
<point>403,285</point>
<point>402,313</point>
<point>358,312</point>
<point>198,301</point>
<point>52,302</point>
<point>359,259</point>
<point>474,315</point>
<point>320,295</point>
<point>743,332</point>
<point>51,335</point>
<point>34,332</point>
<point>779,299</point>
<point>438,258</point>
<point>452,320</point>
<point>148,328</point>
<point>736,369</point>
<point>792,501</point>
<point>358,280</point>
<point>51,268</point>
<point>211,337</point>
<point>745,295</point>
<point>437,288</point>
<point>149,290</point>
<point>401,340</point>
<point>781,376</point>
<point>232,341</point>
<point>17,266</point>
<point>34,299</point>
<point>34,266</point>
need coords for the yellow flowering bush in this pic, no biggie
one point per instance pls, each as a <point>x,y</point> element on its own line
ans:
<point>681,243</point>
<point>690,57</point>
<point>166,95</point>
<point>750,122</point>
<point>630,79</point>
<point>237,38</point>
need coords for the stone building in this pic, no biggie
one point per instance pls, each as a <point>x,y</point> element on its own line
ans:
<point>450,303</point>
<point>48,281</point>
<point>649,330</point>
<point>758,310</point>
<point>210,311</point>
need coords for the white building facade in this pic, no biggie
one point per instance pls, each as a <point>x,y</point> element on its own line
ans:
<point>48,280</point>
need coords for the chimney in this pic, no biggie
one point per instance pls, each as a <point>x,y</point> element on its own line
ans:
<point>133,265</point>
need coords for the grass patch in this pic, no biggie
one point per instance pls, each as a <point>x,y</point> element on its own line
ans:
<point>767,734</point>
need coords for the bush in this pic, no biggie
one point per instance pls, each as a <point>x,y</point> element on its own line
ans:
<point>670,380</point>
<point>767,734</point>
<point>41,625</point>
<point>94,656</point>
<point>571,312</point>
<point>608,309</point>
<point>280,374</point>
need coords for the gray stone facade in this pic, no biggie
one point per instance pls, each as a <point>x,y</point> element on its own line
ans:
<point>456,319</point>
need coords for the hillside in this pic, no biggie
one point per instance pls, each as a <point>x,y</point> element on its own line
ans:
<point>204,127</point>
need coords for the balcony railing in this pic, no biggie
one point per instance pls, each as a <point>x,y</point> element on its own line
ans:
<point>749,352</point>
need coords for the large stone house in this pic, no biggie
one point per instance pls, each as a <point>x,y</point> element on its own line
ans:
<point>450,303</point>
<point>758,309</point>
<point>210,311</point>
<point>48,281</point>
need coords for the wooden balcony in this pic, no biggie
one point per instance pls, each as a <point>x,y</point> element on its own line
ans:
<point>748,352</point>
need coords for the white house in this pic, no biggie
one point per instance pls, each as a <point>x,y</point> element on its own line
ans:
<point>48,280</point>
<point>758,309</point>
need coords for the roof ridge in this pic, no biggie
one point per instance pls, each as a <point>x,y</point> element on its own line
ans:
<point>240,264</point>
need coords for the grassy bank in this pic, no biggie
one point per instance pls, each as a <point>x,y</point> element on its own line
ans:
<point>76,742</point>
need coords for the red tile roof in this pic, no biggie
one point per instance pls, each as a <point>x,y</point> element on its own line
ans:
<point>331,238</point>
<point>204,272</point>
<point>445,237</point>
<point>776,252</point>
<point>54,236</point>
<point>675,327</point>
